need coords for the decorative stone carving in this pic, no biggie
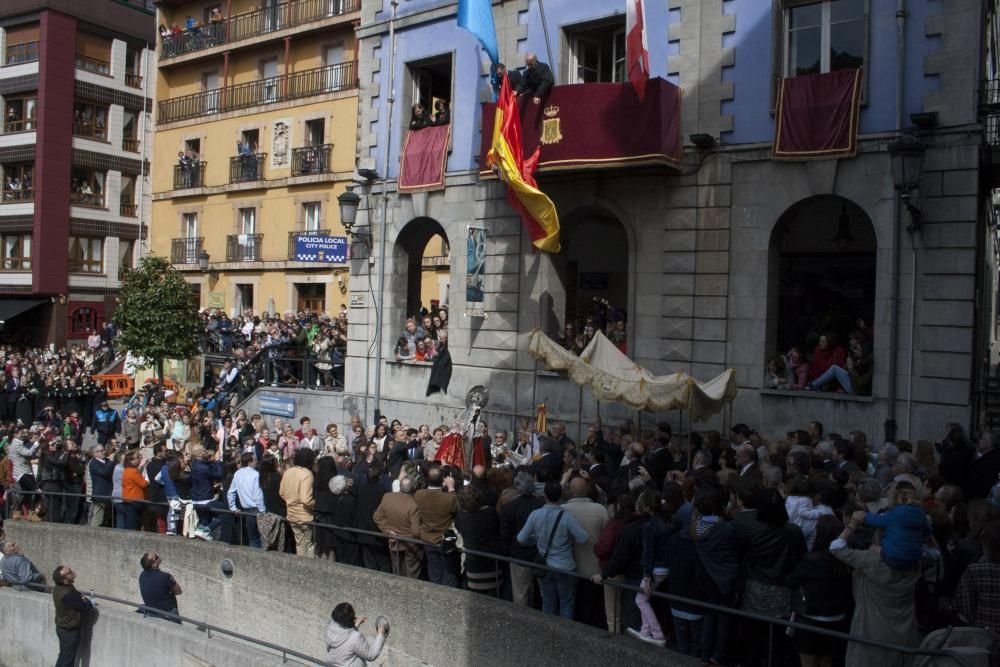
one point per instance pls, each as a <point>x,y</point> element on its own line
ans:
<point>281,142</point>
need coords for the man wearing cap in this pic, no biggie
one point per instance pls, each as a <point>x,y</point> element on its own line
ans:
<point>106,423</point>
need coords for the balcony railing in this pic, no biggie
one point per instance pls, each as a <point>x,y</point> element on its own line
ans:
<point>243,247</point>
<point>95,65</point>
<point>189,175</point>
<point>186,250</point>
<point>85,199</point>
<point>130,145</point>
<point>249,167</point>
<point>92,130</point>
<point>19,125</point>
<point>128,210</point>
<point>329,79</point>
<point>133,80</point>
<point>22,53</point>
<point>15,264</point>
<point>293,236</point>
<point>20,194</point>
<point>254,23</point>
<point>311,160</point>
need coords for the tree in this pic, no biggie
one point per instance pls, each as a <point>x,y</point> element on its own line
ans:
<point>156,318</point>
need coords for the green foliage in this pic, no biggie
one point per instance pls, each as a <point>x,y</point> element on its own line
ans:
<point>156,317</point>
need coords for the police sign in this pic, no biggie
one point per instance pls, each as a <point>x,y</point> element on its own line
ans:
<point>321,249</point>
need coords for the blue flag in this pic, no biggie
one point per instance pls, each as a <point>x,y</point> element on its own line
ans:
<point>476,16</point>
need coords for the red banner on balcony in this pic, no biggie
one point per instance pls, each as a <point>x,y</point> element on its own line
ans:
<point>424,155</point>
<point>818,116</point>
<point>597,126</point>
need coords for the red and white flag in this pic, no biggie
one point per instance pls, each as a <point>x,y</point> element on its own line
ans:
<point>636,48</point>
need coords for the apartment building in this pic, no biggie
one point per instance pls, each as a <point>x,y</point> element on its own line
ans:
<point>256,123</point>
<point>73,161</point>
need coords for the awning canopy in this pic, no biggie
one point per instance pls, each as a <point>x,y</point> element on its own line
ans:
<point>11,308</point>
<point>611,376</point>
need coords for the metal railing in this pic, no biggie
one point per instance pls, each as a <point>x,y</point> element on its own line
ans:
<point>328,79</point>
<point>293,236</point>
<point>85,129</point>
<point>15,264</point>
<point>127,210</point>
<point>189,175</point>
<point>186,250</point>
<point>253,24</point>
<point>247,167</point>
<point>237,518</point>
<point>19,195</point>
<point>133,80</point>
<point>131,145</point>
<point>22,53</point>
<point>311,160</point>
<point>207,628</point>
<point>26,125</point>
<point>82,199</point>
<point>243,247</point>
<point>95,65</point>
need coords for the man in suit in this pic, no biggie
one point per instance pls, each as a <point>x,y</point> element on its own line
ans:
<point>398,453</point>
<point>398,516</point>
<point>537,79</point>
<point>984,472</point>
<point>746,461</point>
<point>843,453</point>
<point>549,465</point>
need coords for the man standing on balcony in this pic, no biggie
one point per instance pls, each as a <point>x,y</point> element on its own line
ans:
<point>537,79</point>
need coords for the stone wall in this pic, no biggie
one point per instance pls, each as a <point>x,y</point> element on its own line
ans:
<point>287,600</point>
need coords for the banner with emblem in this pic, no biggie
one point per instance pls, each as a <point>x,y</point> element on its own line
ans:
<point>475,273</point>
<point>321,249</point>
<point>571,128</point>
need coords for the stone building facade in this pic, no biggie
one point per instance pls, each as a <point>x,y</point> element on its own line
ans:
<point>716,263</point>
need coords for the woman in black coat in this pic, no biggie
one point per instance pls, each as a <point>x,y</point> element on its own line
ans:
<point>345,508</point>
<point>479,526</point>
<point>821,597</point>
<point>326,470</point>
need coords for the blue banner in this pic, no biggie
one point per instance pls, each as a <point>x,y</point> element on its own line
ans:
<point>276,404</point>
<point>475,273</point>
<point>321,249</point>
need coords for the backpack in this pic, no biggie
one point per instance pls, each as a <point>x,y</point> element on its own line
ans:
<point>974,647</point>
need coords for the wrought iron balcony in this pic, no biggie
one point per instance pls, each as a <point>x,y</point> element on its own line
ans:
<point>253,24</point>
<point>329,79</point>
<point>247,167</point>
<point>293,236</point>
<point>186,250</point>
<point>243,247</point>
<point>133,80</point>
<point>189,175</point>
<point>130,145</point>
<point>311,160</point>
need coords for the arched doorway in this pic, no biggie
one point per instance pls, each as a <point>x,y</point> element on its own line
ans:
<point>422,259</point>
<point>822,263</point>
<point>593,269</point>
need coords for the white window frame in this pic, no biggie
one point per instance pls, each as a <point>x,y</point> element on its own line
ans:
<point>190,223</point>
<point>582,36</point>
<point>312,216</point>
<point>825,24</point>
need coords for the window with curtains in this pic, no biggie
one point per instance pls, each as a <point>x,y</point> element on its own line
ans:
<point>818,37</point>
<point>20,113</point>
<point>86,255</point>
<point>85,318</point>
<point>16,252</point>
<point>87,187</point>
<point>311,219</point>
<point>90,120</point>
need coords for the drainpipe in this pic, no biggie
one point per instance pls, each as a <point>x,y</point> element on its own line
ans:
<point>140,186</point>
<point>890,421</point>
<point>383,227</point>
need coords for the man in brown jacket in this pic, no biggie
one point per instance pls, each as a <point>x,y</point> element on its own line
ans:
<point>398,516</point>
<point>297,491</point>
<point>438,505</point>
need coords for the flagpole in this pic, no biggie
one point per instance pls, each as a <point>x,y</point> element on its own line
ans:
<point>548,44</point>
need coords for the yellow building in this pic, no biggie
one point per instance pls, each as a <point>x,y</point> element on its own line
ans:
<point>256,125</point>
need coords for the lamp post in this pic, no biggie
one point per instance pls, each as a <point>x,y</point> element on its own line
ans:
<point>907,154</point>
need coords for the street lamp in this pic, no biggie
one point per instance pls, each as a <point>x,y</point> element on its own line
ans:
<point>349,201</point>
<point>907,154</point>
<point>203,265</point>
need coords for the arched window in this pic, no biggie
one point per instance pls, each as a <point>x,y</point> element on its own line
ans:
<point>422,259</point>
<point>85,318</point>
<point>822,262</point>
<point>593,269</point>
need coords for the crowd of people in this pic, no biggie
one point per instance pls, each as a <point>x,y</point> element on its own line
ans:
<point>830,366</point>
<point>610,321</point>
<point>823,529</point>
<point>423,335</point>
<point>194,35</point>
<point>17,188</point>
<point>189,162</point>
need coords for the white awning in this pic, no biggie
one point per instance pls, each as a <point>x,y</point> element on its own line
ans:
<point>611,376</point>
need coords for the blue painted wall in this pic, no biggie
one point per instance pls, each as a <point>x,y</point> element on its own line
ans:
<point>751,72</point>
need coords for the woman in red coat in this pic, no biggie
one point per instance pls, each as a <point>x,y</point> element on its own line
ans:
<point>826,354</point>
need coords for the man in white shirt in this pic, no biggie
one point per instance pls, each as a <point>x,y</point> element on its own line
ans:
<point>246,495</point>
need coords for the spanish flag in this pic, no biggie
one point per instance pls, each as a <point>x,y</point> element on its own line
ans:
<point>537,211</point>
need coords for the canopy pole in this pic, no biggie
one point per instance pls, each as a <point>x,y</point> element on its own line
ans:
<point>579,405</point>
<point>534,392</point>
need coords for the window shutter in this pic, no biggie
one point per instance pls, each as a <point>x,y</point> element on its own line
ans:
<point>22,34</point>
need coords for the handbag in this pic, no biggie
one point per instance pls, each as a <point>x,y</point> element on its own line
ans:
<point>542,558</point>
